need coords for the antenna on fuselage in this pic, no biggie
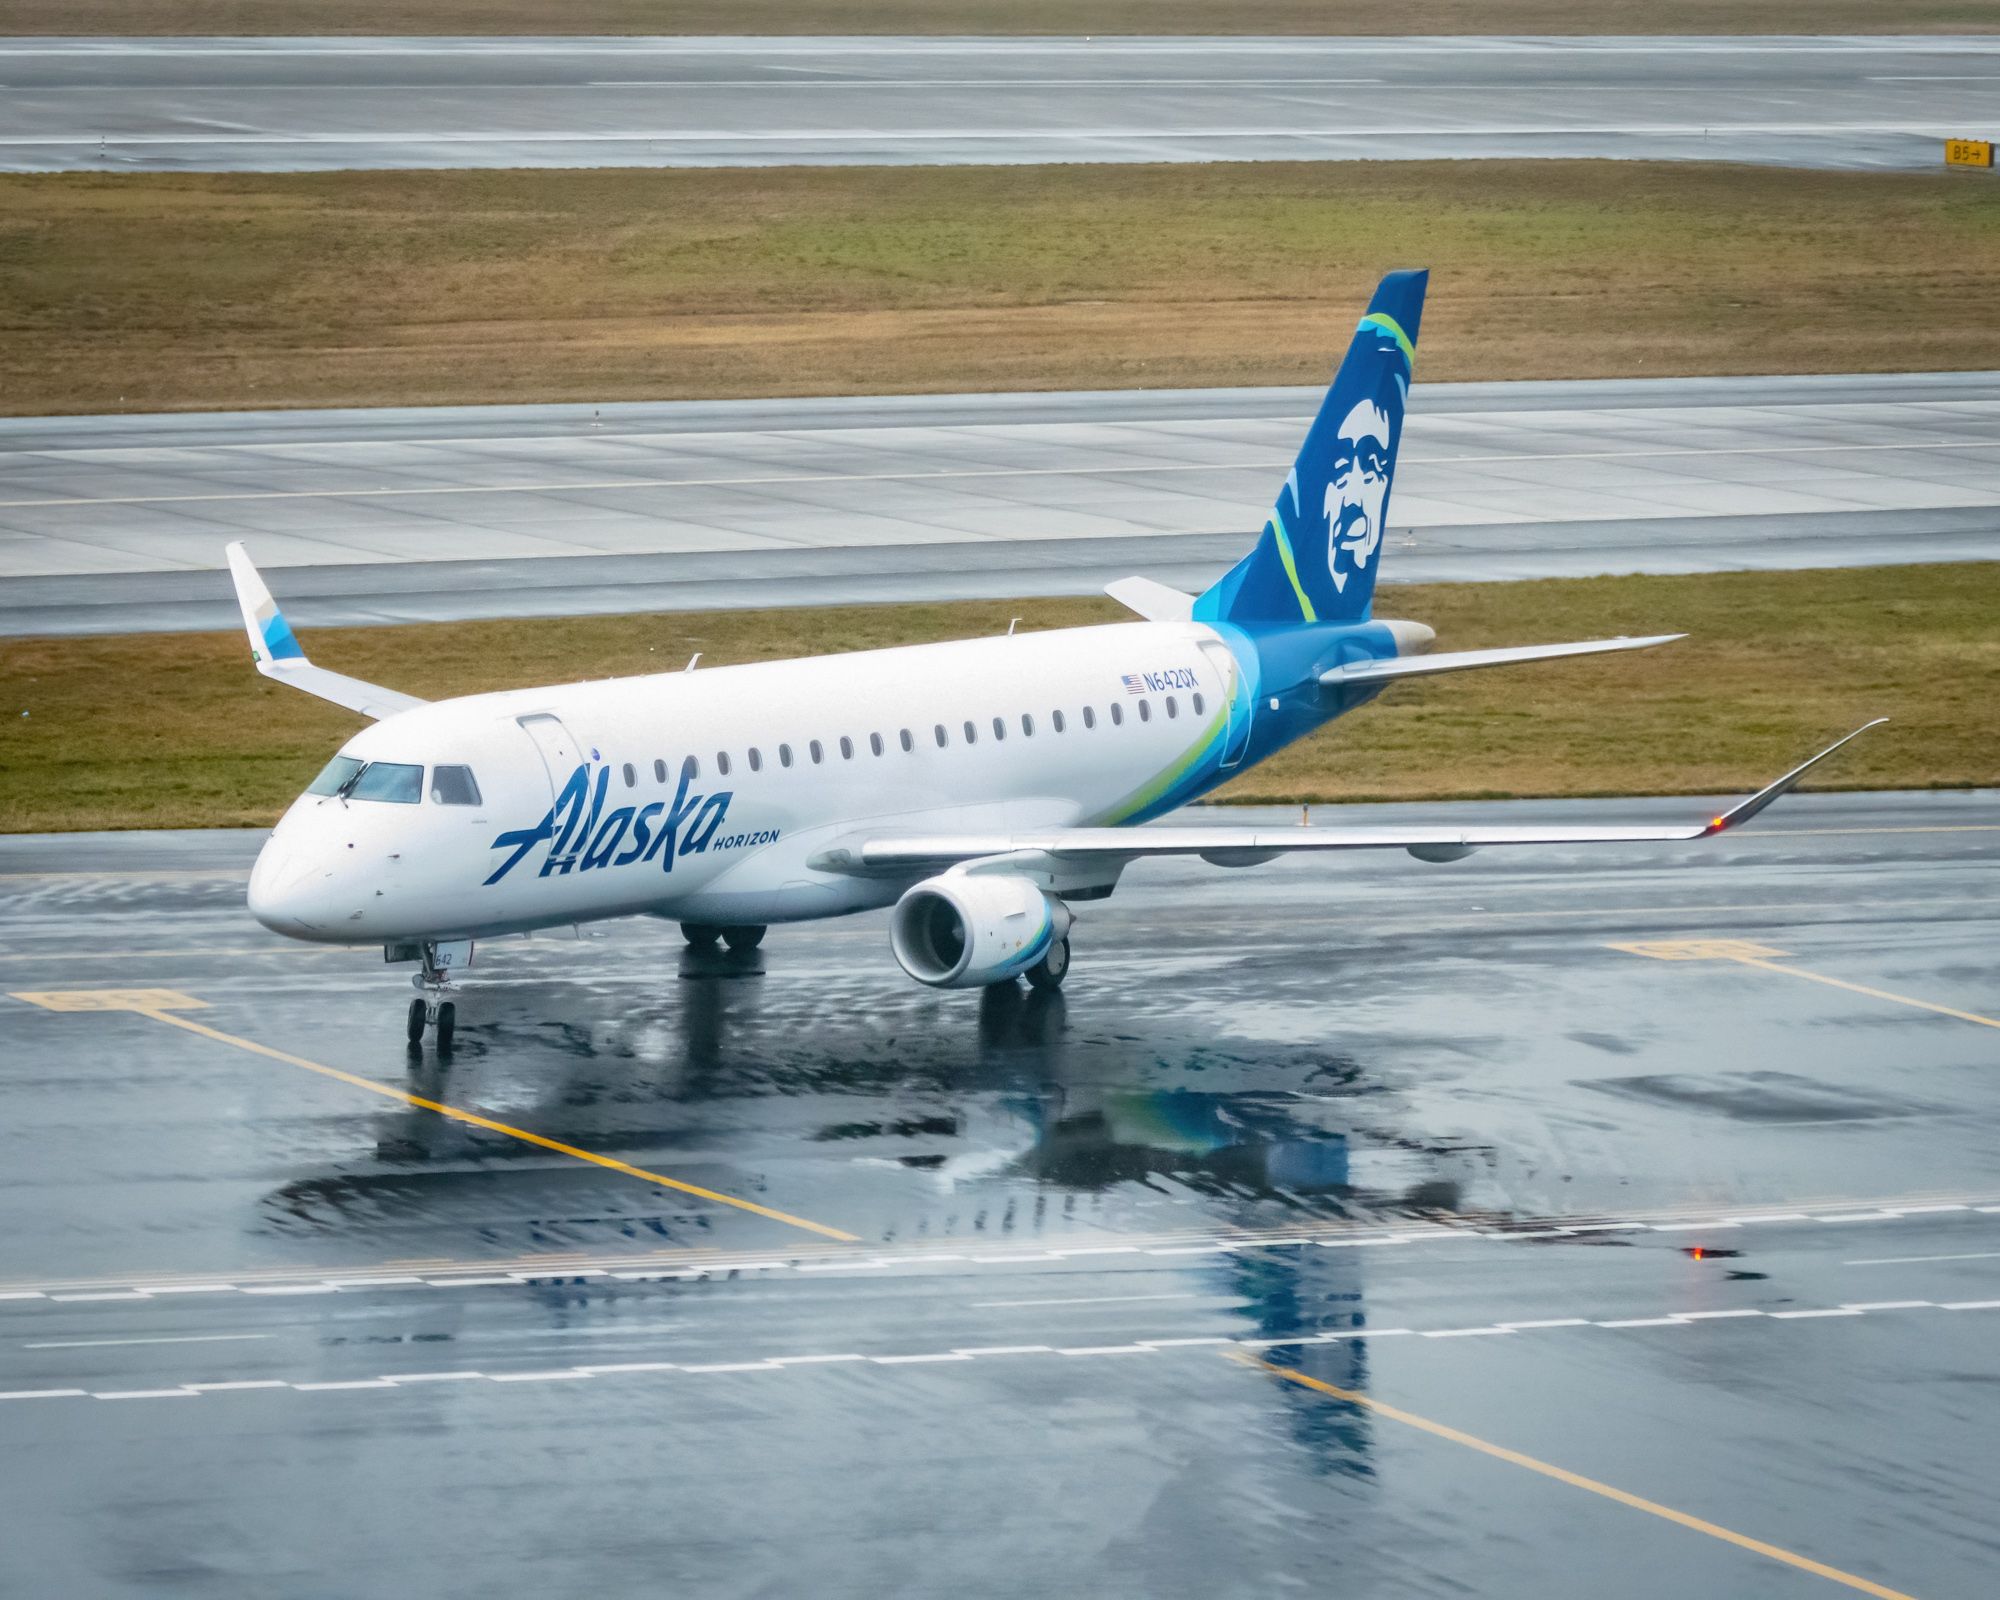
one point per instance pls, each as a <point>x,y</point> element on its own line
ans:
<point>691,661</point>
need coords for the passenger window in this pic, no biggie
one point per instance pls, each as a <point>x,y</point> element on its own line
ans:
<point>999,728</point>
<point>942,737</point>
<point>454,786</point>
<point>334,774</point>
<point>691,769</point>
<point>1027,725</point>
<point>971,734</point>
<point>1056,721</point>
<point>389,780</point>
<point>909,743</point>
<point>1145,711</point>
<point>875,742</point>
<point>1117,715</point>
<point>1089,716</point>
<point>1172,709</point>
<point>722,762</point>
<point>659,771</point>
<point>846,748</point>
<point>1196,697</point>
<point>631,777</point>
<point>813,749</point>
<point>756,759</point>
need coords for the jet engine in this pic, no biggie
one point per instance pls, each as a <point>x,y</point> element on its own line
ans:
<point>963,930</point>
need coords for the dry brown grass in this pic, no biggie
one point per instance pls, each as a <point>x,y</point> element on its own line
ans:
<point>1315,17</point>
<point>178,731</point>
<point>364,288</point>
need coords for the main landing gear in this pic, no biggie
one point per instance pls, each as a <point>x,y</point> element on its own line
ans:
<point>706,935</point>
<point>1049,972</point>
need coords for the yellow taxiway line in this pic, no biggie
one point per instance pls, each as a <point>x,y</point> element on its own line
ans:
<point>165,1005</point>
<point>1577,1480</point>
<point>1746,953</point>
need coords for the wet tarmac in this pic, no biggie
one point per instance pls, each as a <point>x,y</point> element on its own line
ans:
<point>1554,1223</point>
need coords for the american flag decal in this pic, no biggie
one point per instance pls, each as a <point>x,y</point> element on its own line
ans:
<point>1134,684</point>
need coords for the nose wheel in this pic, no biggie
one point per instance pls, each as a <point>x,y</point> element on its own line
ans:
<point>427,1012</point>
<point>434,1009</point>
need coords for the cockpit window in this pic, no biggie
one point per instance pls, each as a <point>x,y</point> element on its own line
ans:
<point>454,786</point>
<point>389,780</point>
<point>337,772</point>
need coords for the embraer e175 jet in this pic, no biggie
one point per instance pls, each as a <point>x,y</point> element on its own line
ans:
<point>978,788</point>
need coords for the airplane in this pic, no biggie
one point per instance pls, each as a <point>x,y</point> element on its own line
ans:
<point>978,788</point>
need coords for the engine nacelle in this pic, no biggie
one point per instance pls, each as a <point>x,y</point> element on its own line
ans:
<point>965,930</point>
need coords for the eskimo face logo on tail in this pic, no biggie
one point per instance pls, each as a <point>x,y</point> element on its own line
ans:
<point>1357,494</point>
<point>581,836</point>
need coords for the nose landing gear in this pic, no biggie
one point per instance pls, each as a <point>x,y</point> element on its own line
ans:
<point>435,1006</point>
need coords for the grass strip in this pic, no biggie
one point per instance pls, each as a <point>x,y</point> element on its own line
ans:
<point>179,291</point>
<point>1020,17</point>
<point>177,730</point>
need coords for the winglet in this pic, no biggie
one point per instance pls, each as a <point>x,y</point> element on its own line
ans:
<point>1742,813</point>
<point>277,652</point>
<point>271,636</point>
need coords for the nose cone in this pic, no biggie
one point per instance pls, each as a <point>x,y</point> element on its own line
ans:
<point>282,886</point>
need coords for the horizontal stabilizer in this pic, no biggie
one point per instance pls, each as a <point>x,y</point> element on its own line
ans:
<point>1465,660</point>
<point>279,655</point>
<point>1229,847</point>
<point>1156,602</point>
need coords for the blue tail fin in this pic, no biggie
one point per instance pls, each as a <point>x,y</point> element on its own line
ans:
<point>1317,558</point>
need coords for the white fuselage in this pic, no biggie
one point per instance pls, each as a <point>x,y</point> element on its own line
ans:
<point>789,759</point>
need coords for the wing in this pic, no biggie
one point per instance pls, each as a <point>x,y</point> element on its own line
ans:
<point>278,655</point>
<point>1242,847</point>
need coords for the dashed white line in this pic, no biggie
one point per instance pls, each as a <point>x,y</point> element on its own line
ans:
<point>433,1377</point>
<point>1107,1350</point>
<point>1887,1305</point>
<point>556,1376</point>
<point>146,1394</point>
<point>1823,1311</point>
<point>1086,1300</point>
<point>1896,1261</point>
<point>186,1338</point>
<point>907,1361</point>
<point>345,1383</point>
<point>1642,1322</point>
<point>1462,1333</point>
<point>1549,1322</point>
<point>1712,1316</point>
<point>1970,1305</point>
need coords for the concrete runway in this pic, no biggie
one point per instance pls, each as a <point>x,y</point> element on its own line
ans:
<point>310,104</point>
<point>1423,1138</point>
<point>113,524</point>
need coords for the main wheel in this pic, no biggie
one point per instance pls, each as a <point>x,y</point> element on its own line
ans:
<point>1049,972</point>
<point>743,938</point>
<point>415,1024</point>
<point>701,935</point>
<point>447,1025</point>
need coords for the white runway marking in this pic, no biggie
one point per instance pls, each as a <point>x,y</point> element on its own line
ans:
<point>1086,1300</point>
<point>1145,469</point>
<point>524,1277</point>
<point>188,1338</point>
<point>1894,1261</point>
<point>1687,1320</point>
